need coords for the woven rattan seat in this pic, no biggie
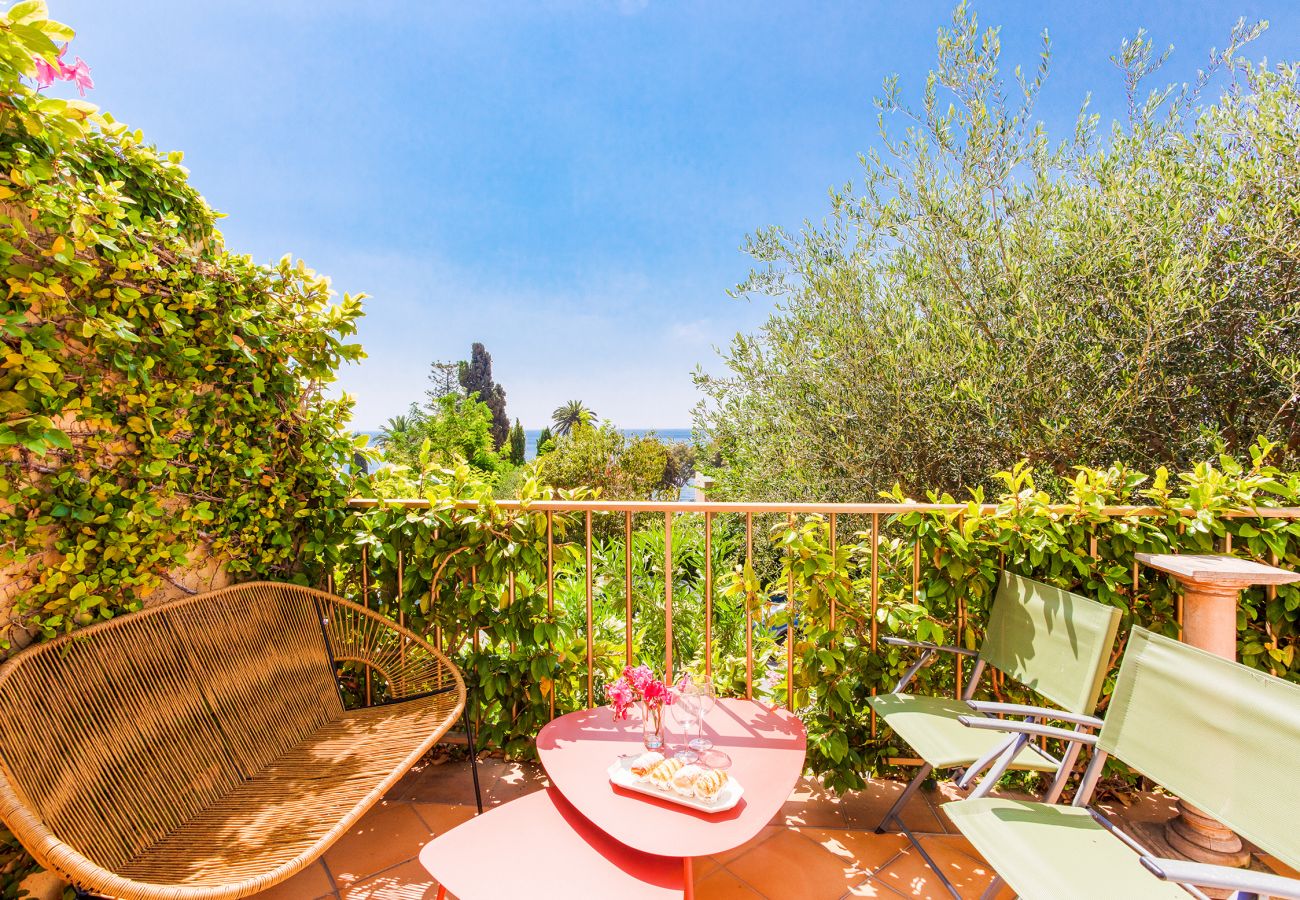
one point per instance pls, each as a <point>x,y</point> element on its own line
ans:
<point>202,749</point>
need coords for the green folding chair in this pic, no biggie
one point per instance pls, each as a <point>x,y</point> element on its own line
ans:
<point>1224,738</point>
<point>1051,641</point>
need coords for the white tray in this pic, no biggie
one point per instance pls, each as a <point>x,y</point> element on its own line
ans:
<point>620,774</point>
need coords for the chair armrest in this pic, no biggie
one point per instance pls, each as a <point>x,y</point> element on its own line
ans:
<point>1020,709</point>
<point>926,645</point>
<point>411,665</point>
<point>1010,725</point>
<point>1203,875</point>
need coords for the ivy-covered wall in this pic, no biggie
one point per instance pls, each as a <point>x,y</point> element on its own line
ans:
<point>163,421</point>
<point>164,425</point>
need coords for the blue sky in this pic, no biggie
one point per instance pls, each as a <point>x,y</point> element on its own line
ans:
<point>568,182</point>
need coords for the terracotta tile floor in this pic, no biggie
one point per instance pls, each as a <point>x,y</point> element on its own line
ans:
<point>818,846</point>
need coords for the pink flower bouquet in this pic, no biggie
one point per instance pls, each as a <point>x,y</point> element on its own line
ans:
<point>638,685</point>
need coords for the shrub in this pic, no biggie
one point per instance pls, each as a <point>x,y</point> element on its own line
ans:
<point>986,294</point>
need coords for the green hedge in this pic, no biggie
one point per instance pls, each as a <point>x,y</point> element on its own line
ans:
<point>483,569</point>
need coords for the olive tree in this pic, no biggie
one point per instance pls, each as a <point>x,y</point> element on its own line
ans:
<point>984,294</point>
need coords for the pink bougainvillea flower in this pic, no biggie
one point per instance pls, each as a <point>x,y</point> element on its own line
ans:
<point>79,74</point>
<point>639,677</point>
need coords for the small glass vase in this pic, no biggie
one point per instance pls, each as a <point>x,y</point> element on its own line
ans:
<point>652,726</point>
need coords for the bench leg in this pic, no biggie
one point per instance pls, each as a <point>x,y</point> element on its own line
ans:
<point>473,750</point>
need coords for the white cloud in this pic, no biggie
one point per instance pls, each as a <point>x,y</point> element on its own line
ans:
<point>697,332</point>
<point>615,340</point>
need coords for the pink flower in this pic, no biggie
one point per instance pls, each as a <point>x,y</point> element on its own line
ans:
<point>79,74</point>
<point>657,693</point>
<point>639,677</point>
<point>620,696</point>
<point>46,72</point>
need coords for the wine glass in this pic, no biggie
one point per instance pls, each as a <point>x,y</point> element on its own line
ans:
<point>686,713</point>
<point>705,700</point>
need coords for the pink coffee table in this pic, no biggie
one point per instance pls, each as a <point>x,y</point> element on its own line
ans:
<point>539,846</point>
<point>766,745</point>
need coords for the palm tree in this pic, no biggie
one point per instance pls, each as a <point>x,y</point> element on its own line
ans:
<point>394,428</point>
<point>570,416</point>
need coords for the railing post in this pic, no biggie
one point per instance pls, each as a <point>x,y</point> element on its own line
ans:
<point>550,591</point>
<point>668,596</point>
<point>708,597</point>
<point>749,613</point>
<point>627,584</point>
<point>590,641</point>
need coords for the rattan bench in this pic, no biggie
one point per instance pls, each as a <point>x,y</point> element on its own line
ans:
<point>202,749</point>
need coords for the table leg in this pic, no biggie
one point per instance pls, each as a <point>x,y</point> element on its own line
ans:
<point>688,878</point>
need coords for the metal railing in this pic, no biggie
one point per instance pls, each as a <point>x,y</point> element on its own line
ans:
<point>869,515</point>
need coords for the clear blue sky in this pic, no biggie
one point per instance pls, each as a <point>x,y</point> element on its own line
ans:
<point>568,182</point>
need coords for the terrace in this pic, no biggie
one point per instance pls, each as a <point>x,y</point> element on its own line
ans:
<point>466,573</point>
<point>233,666</point>
<point>822,843</point>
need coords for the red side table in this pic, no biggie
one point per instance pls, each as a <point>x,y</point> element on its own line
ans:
<point>767,747</point>
<point>539,846</point>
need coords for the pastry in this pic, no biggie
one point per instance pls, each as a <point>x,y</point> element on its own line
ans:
<point>709,784</point>
<point>684,780</point>
<point>645,762</point>
<point>661,776</point>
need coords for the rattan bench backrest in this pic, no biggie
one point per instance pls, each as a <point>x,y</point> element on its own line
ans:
<point>117,734</point>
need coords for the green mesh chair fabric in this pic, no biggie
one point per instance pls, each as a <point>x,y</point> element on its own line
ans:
<point>1046,852</point>
<point>1054,642</point>
<point>1223,737</point>
<point>930,727</point>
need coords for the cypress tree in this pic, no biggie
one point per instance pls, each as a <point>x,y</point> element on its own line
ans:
<point>476,378</point>
<point>517,444</point>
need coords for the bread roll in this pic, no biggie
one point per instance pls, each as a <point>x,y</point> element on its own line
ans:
<point>662,773</point>
<point>684,780</point>
<point>708,785</point>
<point>645,762</point>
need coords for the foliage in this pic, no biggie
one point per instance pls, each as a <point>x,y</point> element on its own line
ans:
<point>983,294</point>
<point>469,567</point>
<point>620,467</point>
<point>451,427</point>
<point>474,577</point>
<point>475,376</point>
<point>518,444</point>
<point>571,415</point>
<point>545,442</point>
<point>679,468</point>
<point>162,400</point>
<point>936,575</point>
